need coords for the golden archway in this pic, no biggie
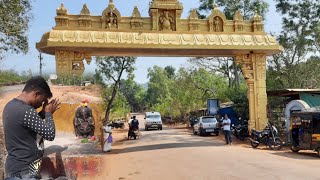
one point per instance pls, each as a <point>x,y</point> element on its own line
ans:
<point>164,33</point>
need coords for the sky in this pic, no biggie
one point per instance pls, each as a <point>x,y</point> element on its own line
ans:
<point>44,12</point>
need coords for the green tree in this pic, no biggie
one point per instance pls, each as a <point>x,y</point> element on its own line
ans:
<point>15,16</point>
<point>248,7</point>
<point>170,71</point>
<point>120,105</point>
<point>223,65</point>
<point>112,69</point>
<point>299,39</point>
<point>240,100</point>
<point>158,85</point>
<point>134,93</point>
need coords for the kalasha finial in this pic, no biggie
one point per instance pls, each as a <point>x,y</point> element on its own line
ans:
<point>62,10</point>
<point>215,6</point>
<point>256,16</point>
<point>111,4</point>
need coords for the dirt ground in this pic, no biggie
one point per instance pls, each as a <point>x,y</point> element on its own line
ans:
<point>66,94</point>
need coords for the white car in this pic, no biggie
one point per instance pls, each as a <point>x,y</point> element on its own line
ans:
<point>206,125</point>
<point>153,121</point>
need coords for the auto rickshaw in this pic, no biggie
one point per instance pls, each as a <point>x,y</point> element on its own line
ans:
<point>305,130</point>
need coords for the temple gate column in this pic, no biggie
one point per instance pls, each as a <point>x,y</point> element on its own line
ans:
<point>70,62</point>
<point>253,67</point>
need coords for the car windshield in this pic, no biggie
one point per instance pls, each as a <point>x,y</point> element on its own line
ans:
<point>209,120</point>
<point>153,116</point>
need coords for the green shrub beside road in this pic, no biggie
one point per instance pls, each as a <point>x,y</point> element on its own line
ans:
<point>8,77</point>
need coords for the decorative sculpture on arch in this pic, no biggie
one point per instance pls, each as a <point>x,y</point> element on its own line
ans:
<point>85,20</point>
<point>257,22</point>
<point>110,17</point>
<point>62,19</point>
<point>136,22</point>
<point>217,20</point>
<point>193,21</point>
<point>166,22</point>
<point>238,21</point>
<point>218,24</point>
<point>85,11</point>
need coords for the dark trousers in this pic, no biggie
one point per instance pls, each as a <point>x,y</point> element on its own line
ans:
<point>227,136</point>
<point>129,132</point>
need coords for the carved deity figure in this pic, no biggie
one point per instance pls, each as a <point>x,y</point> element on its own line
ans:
<point>83,121</point>
<point>166,21</point>
<point>217,24</point>
<point>112,22</point>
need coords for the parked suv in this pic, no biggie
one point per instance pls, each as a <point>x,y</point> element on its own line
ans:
<point>206,125</point>
<point>153,121</point>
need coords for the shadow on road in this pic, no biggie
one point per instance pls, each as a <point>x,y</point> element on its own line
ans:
<point>299,155</point>
<point>164,146</point>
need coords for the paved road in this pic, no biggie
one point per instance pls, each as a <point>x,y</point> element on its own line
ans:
<point>177,154</point>
<point>10,89</point>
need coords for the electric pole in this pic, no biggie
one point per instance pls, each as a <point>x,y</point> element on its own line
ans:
<point>40,59</point>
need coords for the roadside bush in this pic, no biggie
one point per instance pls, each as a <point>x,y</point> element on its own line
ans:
<point>12,77</point>
<point>73,79</point>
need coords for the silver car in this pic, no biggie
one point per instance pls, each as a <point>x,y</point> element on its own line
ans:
<point>206,125</point>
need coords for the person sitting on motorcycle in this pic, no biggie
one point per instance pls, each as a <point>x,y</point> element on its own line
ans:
<point>133,124</point>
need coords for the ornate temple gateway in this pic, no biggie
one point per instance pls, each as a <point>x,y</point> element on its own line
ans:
<point>79,37</point>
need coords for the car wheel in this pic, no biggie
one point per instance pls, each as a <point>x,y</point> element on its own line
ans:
<point>217,133</point>
<point>146,128</point>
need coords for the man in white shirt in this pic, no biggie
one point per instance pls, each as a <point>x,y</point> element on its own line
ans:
<point>226,129</point>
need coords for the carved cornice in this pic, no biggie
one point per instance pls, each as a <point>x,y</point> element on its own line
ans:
<point>155,38</point>
<point>61,38</point>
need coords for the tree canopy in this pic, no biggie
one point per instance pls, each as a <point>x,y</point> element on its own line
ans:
<point>15,16</point>
<point>112,70</point>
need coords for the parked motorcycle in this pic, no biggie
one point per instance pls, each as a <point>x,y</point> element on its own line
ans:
<point>118,124</point>
<point>240,131</point>
<point>268,137</point>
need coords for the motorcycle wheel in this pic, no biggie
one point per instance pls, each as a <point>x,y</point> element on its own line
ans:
<point>276,144</point>
<point>253,144</point>
<point>294,149</point>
